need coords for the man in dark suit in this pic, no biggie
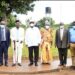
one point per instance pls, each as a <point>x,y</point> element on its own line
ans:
<point>4,42</point>
<point>61,41</point>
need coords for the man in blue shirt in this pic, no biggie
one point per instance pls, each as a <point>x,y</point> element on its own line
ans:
<point>72,43</point>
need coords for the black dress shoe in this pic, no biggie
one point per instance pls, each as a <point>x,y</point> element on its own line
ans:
<point>72,67</point>
<point>30,64</point>
<point>60,65</point>
<point>13,64</point>
<point>19,64</point>
<point>1,64</point>
<point>36,64</point>
<point>6,65</point>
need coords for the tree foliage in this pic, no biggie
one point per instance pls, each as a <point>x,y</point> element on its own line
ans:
<point>11,21</point>
<point>20,6</point>
<point>41,22</point>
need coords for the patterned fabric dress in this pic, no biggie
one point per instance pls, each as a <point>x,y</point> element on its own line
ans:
<point>46,54</point>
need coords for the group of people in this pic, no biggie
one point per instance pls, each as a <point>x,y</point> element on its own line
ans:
<point>34,39</point>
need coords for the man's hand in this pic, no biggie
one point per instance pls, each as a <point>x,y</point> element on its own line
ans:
<point>26,45</point>
<point>39,44</point>
<point>14,48</point>
<point>21,42</point>
<point>68,46</point>
<point>14,44</point>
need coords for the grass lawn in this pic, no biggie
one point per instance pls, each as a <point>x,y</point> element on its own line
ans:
<point>25,52</point>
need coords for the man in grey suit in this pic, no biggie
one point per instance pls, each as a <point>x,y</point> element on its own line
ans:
<point>61,42</point>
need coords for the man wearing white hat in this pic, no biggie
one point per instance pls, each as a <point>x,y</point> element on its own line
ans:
<point>32,40</point>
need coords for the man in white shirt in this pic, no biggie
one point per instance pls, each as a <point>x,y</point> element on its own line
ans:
<point>32,40</point>
<point>17,37</point>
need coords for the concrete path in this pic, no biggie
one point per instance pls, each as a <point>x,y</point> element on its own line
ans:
<point>26,70</point>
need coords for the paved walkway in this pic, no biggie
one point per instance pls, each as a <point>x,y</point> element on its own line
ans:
<point>26,70</point>
<point>62,72</point>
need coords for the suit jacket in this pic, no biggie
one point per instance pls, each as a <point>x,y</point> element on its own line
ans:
<point>7,36</point>
<point>65,40</point>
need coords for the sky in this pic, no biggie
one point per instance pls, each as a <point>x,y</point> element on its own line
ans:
<point>61,11</point>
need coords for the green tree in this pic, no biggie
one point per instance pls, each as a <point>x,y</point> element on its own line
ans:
<point>11,21</point>
<point>19,6</point>
<point>42,22</point>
